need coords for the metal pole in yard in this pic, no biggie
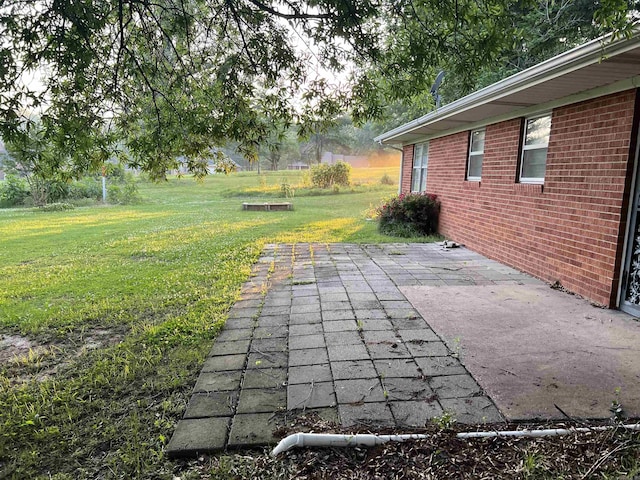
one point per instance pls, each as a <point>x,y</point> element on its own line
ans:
<point>104,184</point>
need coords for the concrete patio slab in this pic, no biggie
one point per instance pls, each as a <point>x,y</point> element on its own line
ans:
<point>531,347</point>
<point>360,335</point>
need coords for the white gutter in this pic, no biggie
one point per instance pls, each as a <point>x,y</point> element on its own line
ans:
<point>569,61</point>
<point>336,440</point>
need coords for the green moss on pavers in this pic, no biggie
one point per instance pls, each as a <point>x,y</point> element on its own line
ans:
<point>262,400</point>
<point>254,429</point>
<point>224,363</point>
<point>373,415</point>
<point>436,366</point>
<point>230,348</point>
<point>265,378</point>
<point>218,381</point>
<point>415,413</point>
<point>212,404</point>
<point>472,410</point>
<point>310,395</point>
<point>200,435</point>
<point>455,386</point>
<point>419,348</point>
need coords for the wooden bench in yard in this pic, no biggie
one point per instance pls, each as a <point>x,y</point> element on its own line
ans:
<point>267,206</point>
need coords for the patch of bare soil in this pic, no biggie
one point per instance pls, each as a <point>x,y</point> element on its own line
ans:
<point>24,359</point>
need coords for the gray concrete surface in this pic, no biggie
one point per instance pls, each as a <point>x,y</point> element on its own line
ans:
<point>531,347</point>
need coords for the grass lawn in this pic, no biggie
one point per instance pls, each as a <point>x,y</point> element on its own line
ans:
<point>107,312</point>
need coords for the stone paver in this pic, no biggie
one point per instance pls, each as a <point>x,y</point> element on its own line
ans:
<point>416,413</point>
<point>311,395</point>
<point>335,335</point>
<point>213,404</point>
<point>310,373</point>
<point>265,378</point>
<point>218,381</point>
<point>193,436</point>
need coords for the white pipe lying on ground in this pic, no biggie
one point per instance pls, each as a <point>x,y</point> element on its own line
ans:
<point>335,440</point>
<point>552,432</point>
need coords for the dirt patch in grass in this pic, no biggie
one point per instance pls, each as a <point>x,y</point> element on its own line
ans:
<point>25,359</point>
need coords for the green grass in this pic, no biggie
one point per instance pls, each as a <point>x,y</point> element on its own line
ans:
<point>153,283</point>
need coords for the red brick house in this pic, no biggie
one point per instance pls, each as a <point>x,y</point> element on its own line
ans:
<point>539,170</point>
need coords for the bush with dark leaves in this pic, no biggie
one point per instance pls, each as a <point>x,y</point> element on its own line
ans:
<point>409,215</point>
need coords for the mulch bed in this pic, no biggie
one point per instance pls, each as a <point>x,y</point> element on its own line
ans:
<point>613,453</point>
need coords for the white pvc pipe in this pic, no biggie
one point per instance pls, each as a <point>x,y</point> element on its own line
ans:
<point>553,432</point>
<point>368,440</point>
<point>334,440</point>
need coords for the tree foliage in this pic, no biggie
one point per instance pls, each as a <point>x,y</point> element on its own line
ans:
<point>152,80</point>
<point>476,43</point>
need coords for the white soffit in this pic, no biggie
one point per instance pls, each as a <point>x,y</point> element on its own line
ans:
<point>593,65</point>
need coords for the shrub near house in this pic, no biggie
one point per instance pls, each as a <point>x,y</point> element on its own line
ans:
<point>409,215</point>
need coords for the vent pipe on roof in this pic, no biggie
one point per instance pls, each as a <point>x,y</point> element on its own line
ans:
<point>434,89</point>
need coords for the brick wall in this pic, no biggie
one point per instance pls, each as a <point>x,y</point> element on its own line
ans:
<point>569,229</point>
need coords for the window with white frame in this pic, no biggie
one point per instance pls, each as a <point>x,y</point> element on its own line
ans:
<point>533,163</point>
<point>476,155</point>
<point>419,174</point>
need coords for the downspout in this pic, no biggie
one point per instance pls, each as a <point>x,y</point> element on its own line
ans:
<point>336,440</point>
<point>401,164</point>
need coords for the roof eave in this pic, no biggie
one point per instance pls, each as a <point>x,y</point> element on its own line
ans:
<point>583,55</point>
